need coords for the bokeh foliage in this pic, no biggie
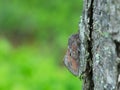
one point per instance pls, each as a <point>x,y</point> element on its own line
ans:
<point>33,41</point>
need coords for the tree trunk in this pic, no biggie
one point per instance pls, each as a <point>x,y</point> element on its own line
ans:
<point>99,36</point>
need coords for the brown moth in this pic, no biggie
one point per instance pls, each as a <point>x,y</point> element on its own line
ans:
<point>71,59</point>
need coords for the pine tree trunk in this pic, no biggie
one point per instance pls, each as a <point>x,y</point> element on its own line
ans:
<point>99,36</point>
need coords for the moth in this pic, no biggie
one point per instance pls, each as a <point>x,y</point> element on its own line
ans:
<point>71,59</point>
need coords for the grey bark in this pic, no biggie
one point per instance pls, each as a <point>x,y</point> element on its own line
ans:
<point>100,45</point>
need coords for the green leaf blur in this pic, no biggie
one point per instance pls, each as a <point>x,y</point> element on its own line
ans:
<point>33,42</point>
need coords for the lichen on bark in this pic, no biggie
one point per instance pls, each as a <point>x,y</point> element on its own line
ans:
<point>100,44</point>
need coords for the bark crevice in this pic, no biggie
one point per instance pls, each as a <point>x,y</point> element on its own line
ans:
<point>90,57</point>
<point>117,44</point>
<point>118,76</point>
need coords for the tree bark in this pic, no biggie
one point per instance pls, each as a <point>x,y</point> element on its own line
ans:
<point>99,36</point>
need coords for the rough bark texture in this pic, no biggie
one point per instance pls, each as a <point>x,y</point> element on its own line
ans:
<point>100,45</point>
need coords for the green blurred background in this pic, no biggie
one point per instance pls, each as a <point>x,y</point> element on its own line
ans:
<point>33,42</point>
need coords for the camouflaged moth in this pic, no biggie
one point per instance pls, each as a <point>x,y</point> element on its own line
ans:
<point>71,59</point>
